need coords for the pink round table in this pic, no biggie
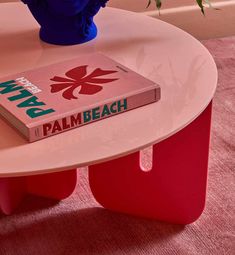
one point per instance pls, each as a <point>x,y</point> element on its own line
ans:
<point>178,126</point>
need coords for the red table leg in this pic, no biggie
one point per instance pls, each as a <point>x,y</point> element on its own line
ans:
<point>175,188</point>
<point>12,191</point>
<point>56,185</point>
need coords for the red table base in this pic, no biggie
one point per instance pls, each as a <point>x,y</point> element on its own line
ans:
<point>56,185</point>
<point>174,190</point>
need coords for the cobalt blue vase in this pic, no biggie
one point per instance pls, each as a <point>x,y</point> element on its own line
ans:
<point>66,22</point>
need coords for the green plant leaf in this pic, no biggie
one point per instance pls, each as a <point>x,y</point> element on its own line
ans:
<point>158,4</point>
<point>199,2</point>
<point>148,4</point>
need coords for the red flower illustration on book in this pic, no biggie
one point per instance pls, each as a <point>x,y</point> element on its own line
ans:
<point>77,77</point>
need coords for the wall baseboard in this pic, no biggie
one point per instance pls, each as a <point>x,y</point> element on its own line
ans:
<point>216,23</point>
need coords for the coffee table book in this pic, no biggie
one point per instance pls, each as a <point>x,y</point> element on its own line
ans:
<point>56,98</point>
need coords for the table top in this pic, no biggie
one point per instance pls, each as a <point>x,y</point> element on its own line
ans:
<point>159,51</point>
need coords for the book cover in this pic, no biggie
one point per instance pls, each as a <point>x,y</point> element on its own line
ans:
<point>56,98</point>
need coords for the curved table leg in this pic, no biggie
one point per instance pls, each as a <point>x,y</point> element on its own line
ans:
<point>175,188</point>
<point>55,185</point>
<point>12,191</point>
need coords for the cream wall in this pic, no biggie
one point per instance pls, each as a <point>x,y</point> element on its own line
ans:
<point>186,15</point>
<point>140,5</point>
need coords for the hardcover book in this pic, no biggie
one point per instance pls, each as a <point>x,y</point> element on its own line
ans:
<point>56,98</point>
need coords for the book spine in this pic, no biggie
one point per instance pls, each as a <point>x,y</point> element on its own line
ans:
<point>94,114</point>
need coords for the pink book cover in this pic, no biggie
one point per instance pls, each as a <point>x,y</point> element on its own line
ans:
<point>56,98</point>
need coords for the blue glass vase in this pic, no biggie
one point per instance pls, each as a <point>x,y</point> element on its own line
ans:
<point>66,22</point>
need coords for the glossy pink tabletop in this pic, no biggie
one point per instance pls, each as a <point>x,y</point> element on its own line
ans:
<point>184,69</point>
